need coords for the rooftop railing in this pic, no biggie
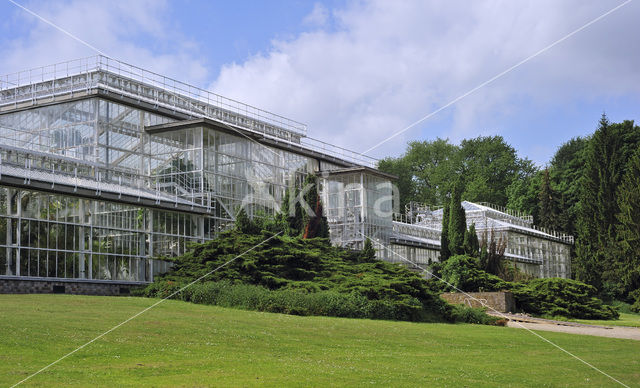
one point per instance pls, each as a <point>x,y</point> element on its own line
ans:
<point>121,78</point>
<point>134,73</point>
<point>514,213</point>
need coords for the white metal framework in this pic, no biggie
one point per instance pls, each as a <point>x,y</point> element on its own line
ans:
<point>538,252</point>
<point>106,168</point>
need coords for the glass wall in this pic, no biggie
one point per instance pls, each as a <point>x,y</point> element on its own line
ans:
<point>421,256</point>
<point>358,205</point>
<point>49,235</point>
<point>105,144</point>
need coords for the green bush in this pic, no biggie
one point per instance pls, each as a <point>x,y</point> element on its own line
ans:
<point>561,297</point>
<point>299,302</point>
<point>463,273</point>
<point>553,297</point>
<point>299,276</point>
<point>635,295</point>
<point>476,315</point>
<point>310,275</point>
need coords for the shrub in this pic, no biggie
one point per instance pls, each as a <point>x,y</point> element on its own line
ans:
<point>298,302</point>
<point>635,295</point>
<point>463,272</point>
<point>561,297</point>
<point>548,297</point>
<point>292,275</point>
<point>476,315</point>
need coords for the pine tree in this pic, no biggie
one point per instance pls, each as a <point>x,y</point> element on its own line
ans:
<point>291,221</point>
<point>283,216</point>
<point>368,252</point>
<point>243,223</point>
<point>445,253</point>
<point>598,205</point>
<point>629,226</point>
<point>315,224</point>
<point>471,243</point>
<point>484,254</point>
<point>297,221</point>
<point>547,203</point>
<point>457,221</point>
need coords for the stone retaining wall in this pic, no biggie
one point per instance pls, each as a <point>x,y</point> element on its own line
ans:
<point>15,285</point>
<point>500,301</point>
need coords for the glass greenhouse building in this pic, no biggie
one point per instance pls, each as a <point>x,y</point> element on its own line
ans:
<point>106,169</point>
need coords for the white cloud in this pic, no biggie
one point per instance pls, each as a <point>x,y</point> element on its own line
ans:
<point>318,16</point>
<point>386,64</point>
<point>137,32</point>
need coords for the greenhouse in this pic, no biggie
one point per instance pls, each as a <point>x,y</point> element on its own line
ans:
<point>107,170</point>
<point>535,251</point>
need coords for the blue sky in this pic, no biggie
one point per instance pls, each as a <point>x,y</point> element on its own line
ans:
<point>357,71</point>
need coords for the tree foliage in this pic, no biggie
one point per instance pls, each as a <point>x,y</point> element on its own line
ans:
<point>315,224</point>
<point>244,224</point>
<point>543,297</point>
<point>566,174</point>
<point>597,259</point>
<point>523,195</point>
<point>586,191</point>
<point>296,267</point>
<point>628,227</point>
<point>445,253</point>
<point>471,242</point>
<point>368,252</point>
<point>548,203</point>
<point>457,221</point>
<point>489,165</point>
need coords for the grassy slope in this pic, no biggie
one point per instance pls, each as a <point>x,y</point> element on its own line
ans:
<point>185,344</point>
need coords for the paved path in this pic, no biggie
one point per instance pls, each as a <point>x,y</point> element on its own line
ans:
<point>519,321</point>
<point>613,332</point>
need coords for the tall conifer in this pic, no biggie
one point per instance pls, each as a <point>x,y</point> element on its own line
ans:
<point>548,203</point>
<point>445,253</point>
<point>629,226</point>
<point>457,221</point>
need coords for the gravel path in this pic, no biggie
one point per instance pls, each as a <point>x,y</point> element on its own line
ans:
<point>610,331</point>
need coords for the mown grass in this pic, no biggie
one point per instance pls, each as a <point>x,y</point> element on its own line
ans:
<point>184,344</point>
<point>626,320</point>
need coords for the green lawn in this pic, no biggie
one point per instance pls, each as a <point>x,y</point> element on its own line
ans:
<point>628,320</point>
<point>183,344</point>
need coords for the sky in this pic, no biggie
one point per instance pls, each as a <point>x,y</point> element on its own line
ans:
<point>357,72</point>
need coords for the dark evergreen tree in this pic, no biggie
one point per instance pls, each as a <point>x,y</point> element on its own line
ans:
<point>315,224</point>
<point>629,226</point>
<point>548,203</point>
<point>471,242</point>
<point>492,253</point>
<point>295,221</point>
<point>457,220</point>
<point>597,261</point>
<point>283,216</point>
<point>445,253</point>
<point>484,254</point>
<point>291,218</point>
<point>244,224</point>
<point>368,252</point>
